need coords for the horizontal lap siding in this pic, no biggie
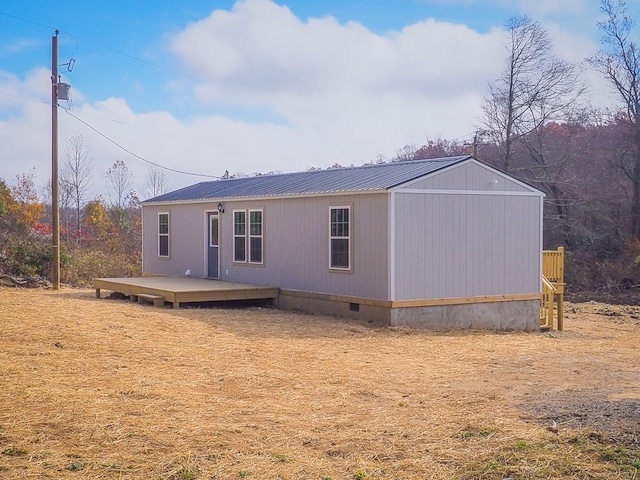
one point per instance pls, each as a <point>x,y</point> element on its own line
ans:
<point>466,245</point>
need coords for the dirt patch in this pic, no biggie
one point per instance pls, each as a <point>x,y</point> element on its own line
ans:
<point>106,389</point>
<point>616,420</point>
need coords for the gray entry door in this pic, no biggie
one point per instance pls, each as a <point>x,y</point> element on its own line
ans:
<point>213,258</point>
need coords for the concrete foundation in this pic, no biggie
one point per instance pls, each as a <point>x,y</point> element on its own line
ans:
<point>512,315</point>
<point>523,315</point>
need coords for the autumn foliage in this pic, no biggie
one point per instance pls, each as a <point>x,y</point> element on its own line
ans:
<point>102,246</point>
<point>24,250</point>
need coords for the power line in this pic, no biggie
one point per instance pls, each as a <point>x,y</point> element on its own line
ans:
<point>33,100</point>
<point>135,154</point>
<point>75,38</point>
<point>48,27</point>
<point>140,60</point>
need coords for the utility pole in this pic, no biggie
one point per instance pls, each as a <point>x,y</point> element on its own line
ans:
<point>475,145</point>
<point>477,141</point>
<point>55,209</point>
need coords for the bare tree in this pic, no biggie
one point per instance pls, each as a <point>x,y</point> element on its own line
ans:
<point>535,87</point>
<point>405,154</point>
<point>121,194</point>
<point>75,178</point>
<point>619,61</point>
<point>156,182</point>
<point>119,183</point>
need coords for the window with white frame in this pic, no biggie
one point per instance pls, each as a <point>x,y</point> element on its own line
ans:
<point>340,238</point>
<point>255,236</point>
<point>163,234</point>
<point>239,236</point>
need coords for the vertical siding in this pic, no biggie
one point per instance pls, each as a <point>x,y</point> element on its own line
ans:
<point>296,242</point>
<point>186,240</point>
<point>468,176</point>
<point>466,245</point>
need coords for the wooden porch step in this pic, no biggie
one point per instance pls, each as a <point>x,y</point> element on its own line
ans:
<point>157,300</point>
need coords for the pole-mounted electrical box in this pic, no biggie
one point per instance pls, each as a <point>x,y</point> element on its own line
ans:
<point>63,91</point>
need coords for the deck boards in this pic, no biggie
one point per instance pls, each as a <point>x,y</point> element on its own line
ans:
<point>183,290</point>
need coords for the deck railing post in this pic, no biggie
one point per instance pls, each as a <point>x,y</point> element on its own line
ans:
<point>553,273</point>
<point>560,288</point>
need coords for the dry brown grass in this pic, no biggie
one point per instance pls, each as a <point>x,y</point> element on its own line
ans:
<point>102,389</point>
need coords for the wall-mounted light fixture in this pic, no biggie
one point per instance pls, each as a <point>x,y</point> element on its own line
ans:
<point>220,208</point>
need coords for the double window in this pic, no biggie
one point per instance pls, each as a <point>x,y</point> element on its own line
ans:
<point>248,236</point>
<point>340,238</point>
<point>163,234</point>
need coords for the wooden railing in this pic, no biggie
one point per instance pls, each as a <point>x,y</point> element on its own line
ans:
<point>553,265</point>
<point>552,288</point>
<point>547,305</point>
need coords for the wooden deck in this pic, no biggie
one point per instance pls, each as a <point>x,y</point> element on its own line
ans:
<point>176,290</point>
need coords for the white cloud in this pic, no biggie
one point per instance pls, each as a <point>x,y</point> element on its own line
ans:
<point>260,53</point>
<point>346,93</point>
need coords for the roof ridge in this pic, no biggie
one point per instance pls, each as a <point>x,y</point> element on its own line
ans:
<point>373,177</point>
<point>341,168</point>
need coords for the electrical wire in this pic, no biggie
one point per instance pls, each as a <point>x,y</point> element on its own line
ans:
<point>33,100</point>
<point>75,38</point>
<point>48,27</point>
<point>133,154</point>
<point>462,139</point>
<point>121,147</point>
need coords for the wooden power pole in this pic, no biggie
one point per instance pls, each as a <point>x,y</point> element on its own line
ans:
<point>55,209</point>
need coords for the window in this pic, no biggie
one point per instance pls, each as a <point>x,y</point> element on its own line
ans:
<point>339,238</point>
<point>163,234</point>
<point>247,236</point>
<point>255,236</point>
<point>214,237</point>
<point>239,236</point>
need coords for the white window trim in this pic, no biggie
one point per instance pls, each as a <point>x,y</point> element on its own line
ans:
<point>245,236</point>
<point>261,236</point>
<point>349,237</point>
<point>168,235</point>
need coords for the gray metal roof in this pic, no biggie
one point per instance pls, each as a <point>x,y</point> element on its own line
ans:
<point>334,180</point>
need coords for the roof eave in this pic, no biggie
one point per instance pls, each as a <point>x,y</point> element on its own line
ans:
<point>267,197</point>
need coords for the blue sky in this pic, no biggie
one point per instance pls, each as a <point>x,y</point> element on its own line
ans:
<point>257,85</point>
<point>103,36</point>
